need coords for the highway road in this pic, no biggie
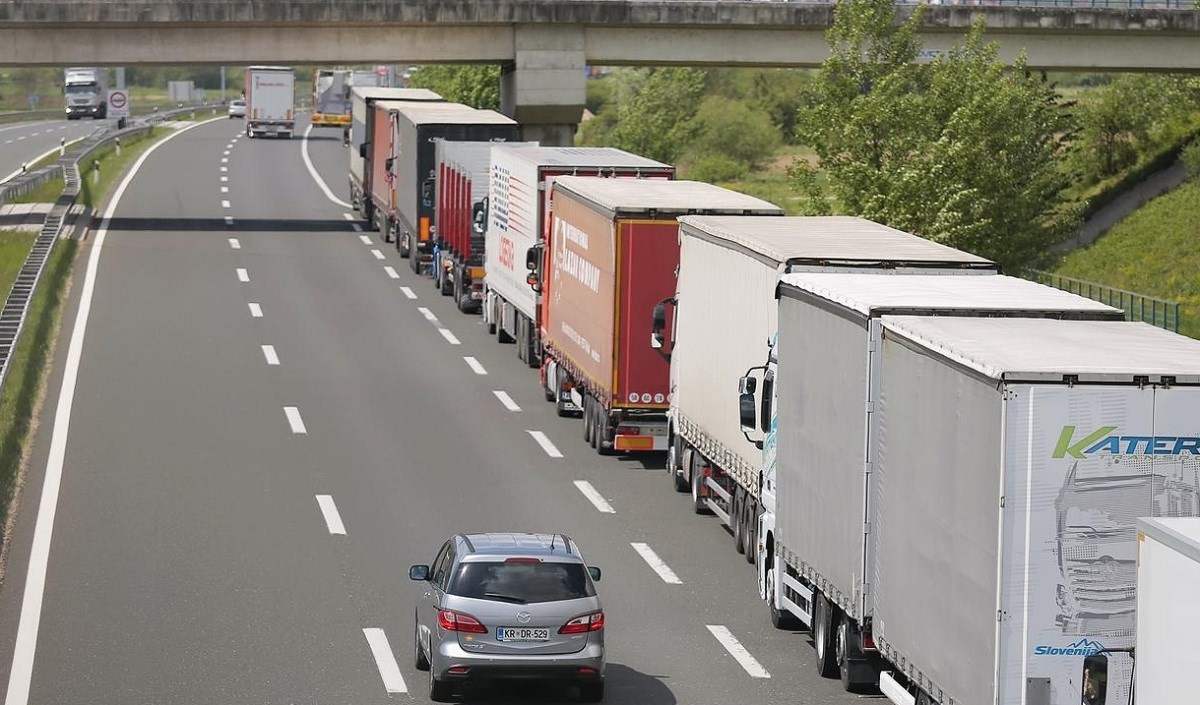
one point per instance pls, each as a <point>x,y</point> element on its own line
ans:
<point>24,142</point>
<point>270,419</point>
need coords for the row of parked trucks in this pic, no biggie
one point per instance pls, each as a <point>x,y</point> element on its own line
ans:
<point>936,468</point>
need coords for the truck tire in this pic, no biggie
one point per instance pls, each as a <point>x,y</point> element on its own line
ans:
<point>674,458</point>
<point>738,519</point>
<point>593,420</point>
<point>402,245</point>
<point>751,531</point>
<point>587,419</point>
<point>560,408</point>
<point>924,699</point>
<point>604,444</point>
<point>502,336</point>
<point>414,257</point>
<point>823,637</point>
<point>697,474</point>
<point>447,285</point>
<point>858,674</point>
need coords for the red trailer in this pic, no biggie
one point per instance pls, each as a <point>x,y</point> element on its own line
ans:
<point>610,255</point>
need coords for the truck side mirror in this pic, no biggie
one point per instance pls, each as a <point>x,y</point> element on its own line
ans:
<point>746,403</point>
<point>362,150</point>
<point>768,391</point>
<point>387,164</point>
<point>1095,680</point>
<point>532,258</point>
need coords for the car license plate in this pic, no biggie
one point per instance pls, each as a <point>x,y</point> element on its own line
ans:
<point>522,634</point>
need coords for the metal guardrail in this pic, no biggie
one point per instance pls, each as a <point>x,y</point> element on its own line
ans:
<point>1138,307</point>
<point>16,305</point>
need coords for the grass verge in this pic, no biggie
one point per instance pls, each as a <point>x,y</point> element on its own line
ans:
<point>112,165</point>
<point>23,391</point>
<point>1152,252</point>
<point>14,248</point>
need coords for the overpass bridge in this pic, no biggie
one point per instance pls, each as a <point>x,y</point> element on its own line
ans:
<point>544,45</point>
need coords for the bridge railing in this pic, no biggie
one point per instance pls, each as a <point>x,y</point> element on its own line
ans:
<point>1138,307</point>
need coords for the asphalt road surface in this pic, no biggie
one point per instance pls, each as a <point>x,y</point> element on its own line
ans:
<point>267,429</point>
<point>24,142</point>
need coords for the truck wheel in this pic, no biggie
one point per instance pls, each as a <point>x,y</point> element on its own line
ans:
<point>587,419</point>
<point>822,635</point>
<point>548,389</point>
<point>924,699</point>
<point>674,458</point>
<point>780,619</point>
<point>502,336</point>
<point>492,316</point>
<point>698,503</point>
<point>414,258</point>
<point>594,421</point>
<point>751,530</point>
<point>858,674</point>
<point>402,246</point>
<point>560,408</point>
<point>604,440</point>
<point>447,285</point>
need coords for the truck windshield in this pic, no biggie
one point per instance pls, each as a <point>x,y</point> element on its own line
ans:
<point>81,88</point>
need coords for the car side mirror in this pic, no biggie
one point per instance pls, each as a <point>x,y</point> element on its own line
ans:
<point>594,572</point>
<point>418,572</point>
<point>362,150</point>
<point>1094,688</point>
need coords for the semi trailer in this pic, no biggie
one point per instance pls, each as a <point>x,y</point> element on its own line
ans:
<point>722,319</point>
<point>330,98</point>
<point>609,255</point>
<point>362,134</point>
<point>517,214</point>
<point>270,101</point>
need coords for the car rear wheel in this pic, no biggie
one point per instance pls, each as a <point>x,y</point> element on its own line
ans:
<point>591,692</point>
<point>420,661</point>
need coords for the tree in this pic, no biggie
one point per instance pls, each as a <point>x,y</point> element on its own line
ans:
<point>733,131</point>
<point>962,150</point>
<point>656,119</point>
<point>477,86</point>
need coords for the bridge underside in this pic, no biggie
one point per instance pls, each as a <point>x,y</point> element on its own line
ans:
<point>108,45</point>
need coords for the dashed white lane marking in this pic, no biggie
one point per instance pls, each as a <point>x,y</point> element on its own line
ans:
<point>22,137</point>
<point>385,661</point>
<point>20,674</point>
<point>506,400</point>
<point>407,291</point>
<point>378,254</point>
<point>294,420</point>
<point>656,563</point>
<point>224,189</point>
<point>235,244</point>
<point>243,275</point>
<point>594,497</point>
<point>226,153</point>
<point>429,315</point>
<point>365,239</point>
<point>312,171</point>
<point>229,220</point>
<point>8,141</point>
<point>737,651</point>
<point>391,272</point>
<point>224,179</point>
<point>333,520</point>
<point>474,365</point>
<point>224,160</point>
<point>225,204</point>
<point>546,444</point>
<point>450,337</point>
<point>255,310</point>
<point>357,227</point>
<point>348,216</point>
<point>270,354</point>
<point>224,169</point>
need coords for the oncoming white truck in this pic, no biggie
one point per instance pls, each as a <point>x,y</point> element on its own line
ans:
<point>981,476</point>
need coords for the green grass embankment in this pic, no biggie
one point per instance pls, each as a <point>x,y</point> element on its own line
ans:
<point>1152,252</point>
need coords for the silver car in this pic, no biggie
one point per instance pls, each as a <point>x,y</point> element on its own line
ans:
<point>509,606</point>
<point>237,108</point>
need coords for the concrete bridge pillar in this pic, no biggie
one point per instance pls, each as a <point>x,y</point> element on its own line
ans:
<point>544,88</point>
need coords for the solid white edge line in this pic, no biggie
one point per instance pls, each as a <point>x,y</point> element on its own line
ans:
<point>255,310</point>
<point>378,254</point>
<point>450,337</point>
<point>391,272</point>
<point>408,292</point>
<point>506,400</point>
<point>737,651</point>
<point>243,275</point>
<point>474,365</point>
<point>333,520</point>
<point>385,660</point>
<point>37,159</point>
<point>294,420</point>
<point>235,244</point>
<point>429,315</point>
<point>270,354</point>
<point>21,673</point>
<point>312,170</point>
<point>656,563</point>
<point>547,445</point>
<point>594,497</point>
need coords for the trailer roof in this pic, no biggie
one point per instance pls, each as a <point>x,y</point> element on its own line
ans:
<point>593,157</point>
<point>411,94</point>
<point>634,196</point>
<point>1181,534</point>
<point>451,149</point>
<point>1047,350</point>
<point>432,113</point>
<point>879,294</point>
<point>823,238</point>
<point>269,68</point>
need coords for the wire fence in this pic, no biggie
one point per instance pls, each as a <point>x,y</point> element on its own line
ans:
<point>1137,307</point>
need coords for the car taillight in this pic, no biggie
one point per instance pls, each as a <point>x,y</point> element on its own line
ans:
<point>868,642</point>
<point>523,560</point>
<point>584,623</point>
<point>453,621</point>
<point>629,431</point>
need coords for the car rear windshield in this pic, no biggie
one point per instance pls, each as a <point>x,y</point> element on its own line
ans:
<point>522,583</point>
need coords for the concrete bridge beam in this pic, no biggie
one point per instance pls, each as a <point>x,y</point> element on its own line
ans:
<point>543,88</point>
